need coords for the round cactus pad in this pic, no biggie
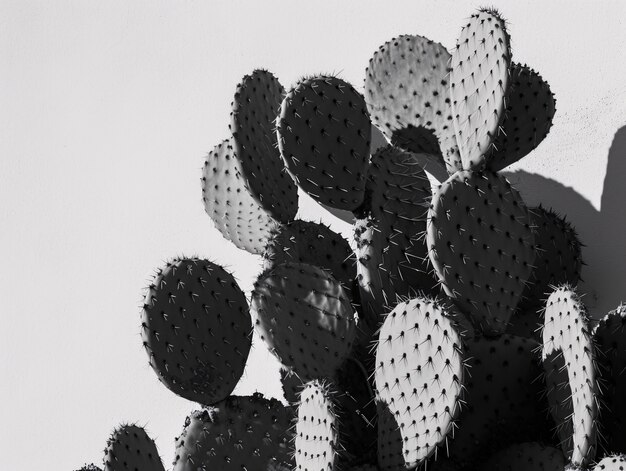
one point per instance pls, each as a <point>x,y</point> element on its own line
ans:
<point>305,318</point>
<point>611,463</point>
<point>317,439</point>
<point>240,433</point>
<point>569,361</point>
<point>479,82</point>
<point>253,117</point>
<point>324,135</point>
<point>130,448</point>
<point>419,375</point>
<point>481,246</point>
<point>229,203</point>
<point>196,329</point>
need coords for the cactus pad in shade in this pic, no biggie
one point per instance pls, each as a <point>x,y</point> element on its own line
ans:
<point>569,361</point>
<point>196,329</point>
<point>305,318</point>
<point>530,107</point>
<point>610,339</point>
<point>317,446</point>
<point>407,93</point>
<point>229,203</point>
<point>479,82</point>
<point>254,112</point>
<point>239,433</point>
<point>481,246</point>
<point>530,456</point>
<point>89,467</point>
<point>131,449</point>
<point>419,375</point>
<point>391,254</point>
<point>611,463</point>
<point>313,243</point>
<point>324,134</point>
<point>558,256</point>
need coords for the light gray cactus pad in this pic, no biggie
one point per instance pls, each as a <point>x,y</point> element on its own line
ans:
<point>229,203</point>
<point>481,246</point>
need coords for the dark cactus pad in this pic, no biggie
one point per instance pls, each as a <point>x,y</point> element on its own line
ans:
<point>610,339</point>
<point>558,257</point>
<point>240,433</point>
<point>324,134</point>
<point>420,369</point>
<point>479,83</point>
<point>392,258</point>
<point>530,456</point>
<point>305,318</point>
<point>229,203</point>
<point>530,107</point>
<point>196,329</point>
<point>254,112</point>
<point>90,467</point>
<point>569,360</point>
<point>481,246</point>
<point>407,94</point>
<point>313,243</point>
<point>131,449</point>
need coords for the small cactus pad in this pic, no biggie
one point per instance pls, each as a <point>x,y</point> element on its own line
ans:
<point>558,256</point>
<point>324,135</point>
<point>254,112</point>
<point>90,467</point>
<point>196,329</point>
<point>317,446</point>
<point>240,433</point>
<point>407,94</point>
<point>419,374</point>
<point>479,82</point>
<point>131,449</point>
<point>391,254</point>
<point>229,203</point>
<point>481,246</point>
<point>305,318</point>
<point>611,463</point>
<point>530,456</point>
<point>569,361</point>
<point>530,107</point>
<point>610,338</point>
<point>313,243</point>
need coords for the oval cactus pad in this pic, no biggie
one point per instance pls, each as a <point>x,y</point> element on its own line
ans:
<point>569,361</point>
<point>305,318</point>
<point>229,203</point>
<point>130,448</point>
<point>196,329</point>
<point>253,117</point>
<point>324,134</point>
<point>419,374</point>
<point>481,246</point>
<point>478,85</point>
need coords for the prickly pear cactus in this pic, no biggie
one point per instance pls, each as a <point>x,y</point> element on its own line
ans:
<point>130,448</point>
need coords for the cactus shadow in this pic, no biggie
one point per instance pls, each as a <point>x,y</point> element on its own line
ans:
<point>602,232</point>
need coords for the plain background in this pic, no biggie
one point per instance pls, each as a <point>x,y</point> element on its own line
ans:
<point>107,110</point>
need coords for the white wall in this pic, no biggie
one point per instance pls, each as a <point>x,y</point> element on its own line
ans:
<point>106,112</point>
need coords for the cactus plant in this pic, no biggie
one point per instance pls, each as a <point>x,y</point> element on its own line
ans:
<point>130,448</point>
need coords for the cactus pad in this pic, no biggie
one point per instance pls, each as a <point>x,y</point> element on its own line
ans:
<point>196,329</point>
<point>530,107</point>
<point>478,85</point>
<point>569,361</point>
<point>419,375</point>
<point>481,246</point>
<point>254,112</point>
<point>313,243</point>
<point>525,457</point>
<point>316,444</point>
<point>305,318</point>
<point>407,93</point>
<point>242,432</point>
<point>611,463</point>
<point>229,203</point>
<point>131,449</point>
<point>324,134</point>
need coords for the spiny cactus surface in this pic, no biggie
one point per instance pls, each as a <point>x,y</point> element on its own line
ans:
<point>131,449</point>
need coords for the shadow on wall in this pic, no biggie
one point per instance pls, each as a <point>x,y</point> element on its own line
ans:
<point>603,232</point>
